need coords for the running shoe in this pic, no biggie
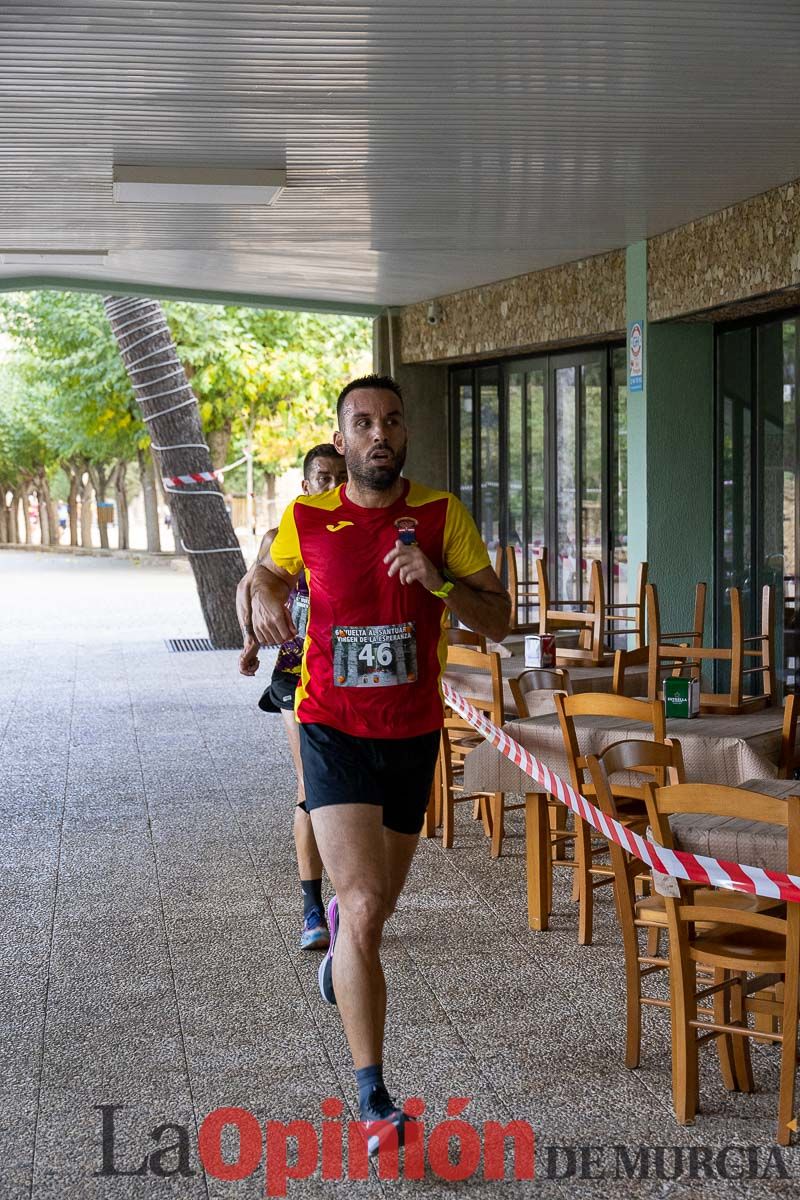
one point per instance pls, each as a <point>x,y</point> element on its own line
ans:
<point>315,934</point>
<point>378,1116</point>
<point>325,973</point>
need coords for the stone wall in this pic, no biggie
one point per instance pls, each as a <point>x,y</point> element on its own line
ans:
<point>578,302</point>
<point>736,262</point>
<point>728,258</point>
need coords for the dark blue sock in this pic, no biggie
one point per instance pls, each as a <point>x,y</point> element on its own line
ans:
<point>366,1079</point>
<point>312,895</point>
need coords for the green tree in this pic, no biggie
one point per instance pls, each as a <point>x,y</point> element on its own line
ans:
<point>267,380</point>
<point>73,380</point>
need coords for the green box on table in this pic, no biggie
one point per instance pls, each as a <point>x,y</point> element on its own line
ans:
<point>681,697</point>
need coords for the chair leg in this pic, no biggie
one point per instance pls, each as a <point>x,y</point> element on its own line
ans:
<point>549,888</point>
<point>722,1014</point>
<point>633,993</point>
<point>653,941</point>
<point>742,1065</point>
<point>485,814</point>
<point>788,1049</point>
<point>683,1006</point>
<point>583,855</point>
<point>447,818</point>
<point>496,803</point>
<point>429,824</point>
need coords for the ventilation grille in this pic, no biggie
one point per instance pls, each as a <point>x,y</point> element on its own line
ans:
<point>184,645</point>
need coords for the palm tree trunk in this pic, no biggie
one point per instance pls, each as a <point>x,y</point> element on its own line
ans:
<point>148,478</point>
<point>170,411</point>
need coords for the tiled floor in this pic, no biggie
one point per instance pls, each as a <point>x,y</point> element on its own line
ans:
<point>148,932</point>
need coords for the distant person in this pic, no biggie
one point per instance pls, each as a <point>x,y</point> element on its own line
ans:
<point>323,469</point>
<point>63,516</point>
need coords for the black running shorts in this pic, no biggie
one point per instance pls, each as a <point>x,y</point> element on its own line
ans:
<point>280,693</point>
<point>395,773</point>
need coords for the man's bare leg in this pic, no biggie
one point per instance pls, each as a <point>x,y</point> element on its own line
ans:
<point>309,863</point>
<point>400,849</point>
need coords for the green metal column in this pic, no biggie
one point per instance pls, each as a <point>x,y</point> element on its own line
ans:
<point>671,454</point>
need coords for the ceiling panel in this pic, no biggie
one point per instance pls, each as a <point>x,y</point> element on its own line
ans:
<point>429,146</point>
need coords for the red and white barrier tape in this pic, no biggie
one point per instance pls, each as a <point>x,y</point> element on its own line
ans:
<point>196,477</point>
<point>736,877</point>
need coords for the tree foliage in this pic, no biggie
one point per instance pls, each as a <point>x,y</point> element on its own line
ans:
<point>268,374</point>
<point>264,376</point>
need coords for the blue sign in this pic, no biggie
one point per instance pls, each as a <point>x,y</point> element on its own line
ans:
<point>635,357</point>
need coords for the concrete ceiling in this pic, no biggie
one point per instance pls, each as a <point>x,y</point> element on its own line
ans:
<point>430,145</point>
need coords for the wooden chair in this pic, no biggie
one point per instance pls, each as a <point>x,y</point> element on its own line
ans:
<point>764,944</point>
<point>465,637</point>
<point>533,683</point>
<point>647,913</point>
<point>629,799</point>
<point>642,655</point>
<point>585,617</point>
<point>459,738</point>
<point>533,697</point>
<point>631,614</point>
<point>690,656</point>
<point>789,760</point>
<point>524,596</point>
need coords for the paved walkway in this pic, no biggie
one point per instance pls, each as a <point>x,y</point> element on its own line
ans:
<point>150,919</point>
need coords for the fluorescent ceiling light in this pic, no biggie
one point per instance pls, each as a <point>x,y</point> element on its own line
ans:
<point>53,258</point>
<point>196,185</point>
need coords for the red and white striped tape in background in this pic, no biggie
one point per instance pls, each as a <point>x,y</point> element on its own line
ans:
<point>736,877</point>
<point>197,477</point>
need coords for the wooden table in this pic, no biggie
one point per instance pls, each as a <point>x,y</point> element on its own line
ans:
<point>751,842</point>
<point>583,679</point>
<point>716,749</point>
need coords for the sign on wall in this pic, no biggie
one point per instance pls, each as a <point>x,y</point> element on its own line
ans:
<point>635,357</point>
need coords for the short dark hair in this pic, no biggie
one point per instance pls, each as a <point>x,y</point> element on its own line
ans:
<point>323,450</point>
<point>383,382</point>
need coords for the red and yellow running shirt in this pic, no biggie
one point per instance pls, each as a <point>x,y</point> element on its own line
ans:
<point>374,648</point>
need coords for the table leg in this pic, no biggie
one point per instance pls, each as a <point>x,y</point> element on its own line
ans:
<point>537,836</point>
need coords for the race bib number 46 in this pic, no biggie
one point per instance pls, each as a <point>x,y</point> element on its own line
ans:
<point>374,655</point>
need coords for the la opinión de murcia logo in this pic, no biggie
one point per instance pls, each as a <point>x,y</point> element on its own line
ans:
<point>453,1149</point>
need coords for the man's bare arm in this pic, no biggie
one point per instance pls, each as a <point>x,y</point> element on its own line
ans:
<point>479,600</point>
<point>269,591</point>
<point>243,590</point>
<point>481,603</point>
<point>248,659</point>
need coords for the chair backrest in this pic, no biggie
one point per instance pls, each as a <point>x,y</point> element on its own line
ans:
<point>525,593</point>
<point>788,759</point>
<point>476,660</point>
<point>544,589</point>
<point>465,637</point>
<point>602,704</point>
<point>499,556</point>
<point>656,636</point>
<point>661,761</point>
<point>538,680</point>
<point>640,616</point>
<point>704,799</point>
<point>665,761</point>
<point>627,618</point>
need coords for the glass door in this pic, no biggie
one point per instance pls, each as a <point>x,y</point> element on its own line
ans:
<point>579,464</point>
<point>758,460</point>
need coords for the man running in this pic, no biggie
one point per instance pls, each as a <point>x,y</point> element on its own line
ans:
<point>384,557</point>
<point>323,469</point>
